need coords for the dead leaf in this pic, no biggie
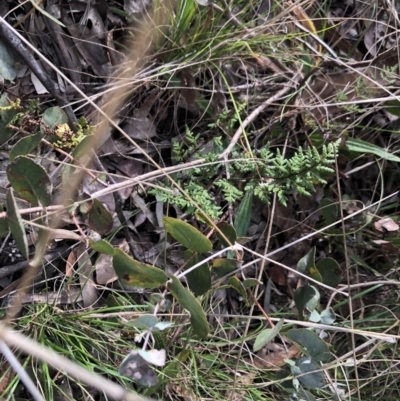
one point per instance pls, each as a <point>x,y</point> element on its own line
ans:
<point>69,266</point>
<point>85,272</point>
<point>139,128</point>
<point>244,380</point>
<point>188,84</point>
<point>90,185</point>
<point>5,378</point>
<point>39,87</point>
<point>145,108</point>
<point>333,36</point>
<point>138,369</point>
<point>387,246</point>
<point>178,391</point>
<point>218,102</point>
<point>354,206</point>
<point>276,359</point>
<point>129,168</point>
<point>97,26</point>
<point>135,6</point>
<point>140,218</point>
<point>278,275</point>
<point>377,35</point>
<point>105,273</point>
<point>144,207</point>
<point>91,50</point>
<point>386,225</point>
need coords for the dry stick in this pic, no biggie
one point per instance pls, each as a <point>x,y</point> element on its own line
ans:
<point>347,264</point>
<point>370,334</point>
<point>267,318</point>
<point>251,117</point>
<point>115,187</point>
<point>153,175</point>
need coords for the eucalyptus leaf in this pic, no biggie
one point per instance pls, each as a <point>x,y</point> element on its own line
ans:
<point>25,145</point>
<point>30,181</point>
<point>266,335</point>
<point>310,374</point>
<point>199,279</point>
<point>223,266</point>
<point>83,147</point>
<point>16,225</point>
<point>314,317</point>
<point>138,369</point>
<point>306,262</point>
<point>251,282</point>
<point>3,224</point>
<point>328,316</point>
<point>188,301</point>
<point>330,271</point>
<point>306,297</point>
<point>143,322</point>
<point>160,326</point>
<point>312,344</point>
<point>137,274</point>
<point>154,356</point>
<point>6,115</point>
<point>8,61</point>
<point>54,116</point>
<point>314,274</point>
<point>392,106</point>
<point>238,286</point>
<point>99,218</point>
<point>102,246</point>
<point>229,232</point>
<point>188,236</point>
<point>329,210</point>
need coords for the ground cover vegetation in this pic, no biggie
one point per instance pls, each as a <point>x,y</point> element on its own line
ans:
<point>199,200</point>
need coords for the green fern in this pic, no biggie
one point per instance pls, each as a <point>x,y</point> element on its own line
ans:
<point>264,172</point>
<point>231,193</point>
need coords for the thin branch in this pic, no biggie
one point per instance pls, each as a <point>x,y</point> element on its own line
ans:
<point>251,117</point>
